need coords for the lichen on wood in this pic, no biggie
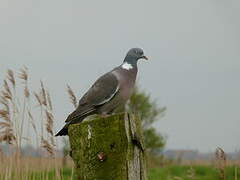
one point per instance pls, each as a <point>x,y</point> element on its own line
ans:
<point>104,148</point>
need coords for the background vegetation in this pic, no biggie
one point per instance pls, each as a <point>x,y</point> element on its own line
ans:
<point>27,118</point>
<point>149,112</point>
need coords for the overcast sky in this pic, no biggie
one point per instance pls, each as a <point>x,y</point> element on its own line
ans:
<point>193,46</point>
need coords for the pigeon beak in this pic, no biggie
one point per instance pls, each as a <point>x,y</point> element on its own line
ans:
<point>144,57</point>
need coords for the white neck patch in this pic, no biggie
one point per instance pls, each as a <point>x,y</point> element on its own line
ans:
<point>127,66</point>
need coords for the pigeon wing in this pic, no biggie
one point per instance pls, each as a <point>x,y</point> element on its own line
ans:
<point>102,91</point>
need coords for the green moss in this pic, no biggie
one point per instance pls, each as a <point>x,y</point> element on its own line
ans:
<point>105,135</point>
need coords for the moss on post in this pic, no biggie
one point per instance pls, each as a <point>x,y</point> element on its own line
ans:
<point>104,148</point>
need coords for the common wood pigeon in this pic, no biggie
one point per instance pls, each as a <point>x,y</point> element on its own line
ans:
<point>109,92</point>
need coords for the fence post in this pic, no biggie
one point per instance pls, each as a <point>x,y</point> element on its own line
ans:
<point>109,148</point>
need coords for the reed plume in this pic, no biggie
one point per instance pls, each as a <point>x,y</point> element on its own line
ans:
<point>43,94</point>
<point>44,101</point>
<point>49,125</point>
<point>6,92</point>
<point>47,146</point>
<point>11,77</point>
<point>49,101</point>
<point>23,73</point>
<point>72,96</point>
<point>6,128</point>
<point>32,121</point>
<point>38,98</point>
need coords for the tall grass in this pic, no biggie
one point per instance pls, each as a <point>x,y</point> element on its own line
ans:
<point>16,113</point>
<point>19,121</point>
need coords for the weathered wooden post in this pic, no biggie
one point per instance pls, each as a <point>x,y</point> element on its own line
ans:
<point>108,148</point>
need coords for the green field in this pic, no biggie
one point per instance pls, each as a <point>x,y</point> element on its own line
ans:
<point>191,173</point>
<point>173,172</point>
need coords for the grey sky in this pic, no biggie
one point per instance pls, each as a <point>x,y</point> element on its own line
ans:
<point>193,46</point>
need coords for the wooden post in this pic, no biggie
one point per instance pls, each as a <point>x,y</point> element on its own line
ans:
<point>108,148</point>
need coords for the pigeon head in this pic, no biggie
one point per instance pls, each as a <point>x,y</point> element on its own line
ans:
<point>135,54</point>
<point>132,57</point>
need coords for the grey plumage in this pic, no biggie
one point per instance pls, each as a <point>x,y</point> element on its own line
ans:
<point>110,91</point>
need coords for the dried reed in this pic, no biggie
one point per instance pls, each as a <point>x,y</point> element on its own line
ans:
<point>32,167</point>
<point>6,91</point>
<point>72,96</point>
<point>38,98</point>
<point>191,174</point>
<point>6,126</point>
<point>47,146</point>
<point>221,162</point>
<point>47,118</point>
<point>49,101</point>
<point>11,77</point>
<point>43,94</point>
<point>23,74</point>
<point>15,110</point>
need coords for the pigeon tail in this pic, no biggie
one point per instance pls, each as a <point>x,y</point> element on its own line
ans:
<point>63,131</point>
<point>71,120</point>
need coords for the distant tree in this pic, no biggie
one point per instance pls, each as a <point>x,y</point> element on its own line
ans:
<point>149,112</point>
